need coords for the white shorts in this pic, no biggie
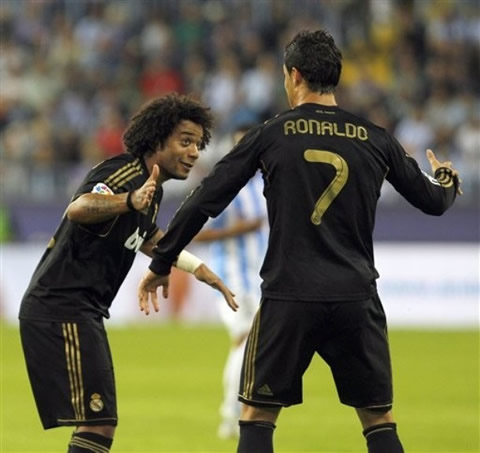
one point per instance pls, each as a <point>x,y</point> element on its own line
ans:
<point>238,322</point>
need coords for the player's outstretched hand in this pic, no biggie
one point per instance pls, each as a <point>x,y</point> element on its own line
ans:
<point>147,291</point>
<point>204,274</point>
<point>436,164</point>
<point>142,197</point>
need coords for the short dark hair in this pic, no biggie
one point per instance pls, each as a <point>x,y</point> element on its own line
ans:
<point>150,127</point>
<point>318,59</point>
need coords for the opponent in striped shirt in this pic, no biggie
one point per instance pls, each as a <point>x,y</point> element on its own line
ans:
<point>237,241</point>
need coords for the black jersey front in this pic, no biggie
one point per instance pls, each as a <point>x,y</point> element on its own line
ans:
<point>323,169</point>
<point>84,265</point>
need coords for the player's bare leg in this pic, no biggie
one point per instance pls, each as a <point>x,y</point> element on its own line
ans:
<point>380,430</point>
<point>256,429</point>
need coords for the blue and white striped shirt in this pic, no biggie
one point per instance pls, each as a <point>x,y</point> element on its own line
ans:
<point>237,260</point>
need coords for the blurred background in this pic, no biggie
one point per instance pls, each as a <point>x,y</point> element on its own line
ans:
<point>73,72</point>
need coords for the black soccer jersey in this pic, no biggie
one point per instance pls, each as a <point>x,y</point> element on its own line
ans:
<point>84,265</point>
<point>323,169</point>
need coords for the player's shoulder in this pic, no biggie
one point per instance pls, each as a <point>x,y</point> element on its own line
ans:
<point>119,170</point>
<point>124,163</point>
<point>278,118</point>
<point>118,161</point>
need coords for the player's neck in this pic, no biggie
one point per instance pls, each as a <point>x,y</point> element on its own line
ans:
<point>309,97</point>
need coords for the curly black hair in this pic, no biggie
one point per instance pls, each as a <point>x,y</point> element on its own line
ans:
<point>318,59</point>
<point>151,126</point>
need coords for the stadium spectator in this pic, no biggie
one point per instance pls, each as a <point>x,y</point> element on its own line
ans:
<point>323,168</point>
<point>238,241</point>
<point>405,49</point>
<point>111,216</point>
<point>110,131</point>
<point>415,133</point>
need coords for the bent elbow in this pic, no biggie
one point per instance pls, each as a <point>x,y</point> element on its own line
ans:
<point>74,212</point>
<point>436,210</point>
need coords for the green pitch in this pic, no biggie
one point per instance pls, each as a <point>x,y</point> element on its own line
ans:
<point>169,389</point>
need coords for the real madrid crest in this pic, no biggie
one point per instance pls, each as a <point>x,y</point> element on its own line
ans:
<point>96,403</point>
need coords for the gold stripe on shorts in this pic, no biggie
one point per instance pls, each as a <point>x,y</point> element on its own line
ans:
<point>249,373</point>
<point>74,367</point>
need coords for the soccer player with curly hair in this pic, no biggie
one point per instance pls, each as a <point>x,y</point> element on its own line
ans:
<point>111,216</point>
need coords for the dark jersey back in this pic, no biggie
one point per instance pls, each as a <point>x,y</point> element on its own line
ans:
<point>84,265</point>
<point>323,169</point>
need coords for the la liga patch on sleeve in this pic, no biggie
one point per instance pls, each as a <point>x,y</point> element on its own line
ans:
<point>102,189</point>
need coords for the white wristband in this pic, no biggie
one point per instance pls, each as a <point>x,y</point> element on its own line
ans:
<point>188,262</point>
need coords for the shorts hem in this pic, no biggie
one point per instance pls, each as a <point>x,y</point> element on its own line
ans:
<point>259,403</point>
<point>367,406</point>
<point>93,422</point>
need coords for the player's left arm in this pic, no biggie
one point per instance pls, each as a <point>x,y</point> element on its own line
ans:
<point>431,194</point>
<point>151,242</point>
<point>186,262</point>
<point>147,289</point>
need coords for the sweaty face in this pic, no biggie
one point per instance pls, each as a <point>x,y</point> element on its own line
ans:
<point>180,151</point>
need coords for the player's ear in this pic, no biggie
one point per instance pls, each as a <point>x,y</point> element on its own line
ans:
<point>296,76</point>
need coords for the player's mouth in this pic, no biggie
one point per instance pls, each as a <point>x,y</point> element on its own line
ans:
<point>186,165</point>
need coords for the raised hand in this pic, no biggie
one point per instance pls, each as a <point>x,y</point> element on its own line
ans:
<point>142,197</point>
<point>436,164</point>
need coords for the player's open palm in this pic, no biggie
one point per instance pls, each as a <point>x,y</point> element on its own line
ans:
<point>142,197</point>
<point>204,274</point>
<point>147,291</point>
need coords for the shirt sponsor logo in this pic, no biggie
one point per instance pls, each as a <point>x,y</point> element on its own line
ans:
<point>135,241</point>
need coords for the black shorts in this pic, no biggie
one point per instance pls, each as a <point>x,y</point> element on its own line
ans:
<point>350,336</point>
<point>71,372</point>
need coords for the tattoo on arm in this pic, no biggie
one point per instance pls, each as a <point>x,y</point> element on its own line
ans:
<point>100,206</point>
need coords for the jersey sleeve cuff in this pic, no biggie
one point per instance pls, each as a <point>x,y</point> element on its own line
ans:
<point>160,267</point>
<point>446,177</point>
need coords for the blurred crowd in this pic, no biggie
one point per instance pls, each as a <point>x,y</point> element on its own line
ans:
<point>73,72</point>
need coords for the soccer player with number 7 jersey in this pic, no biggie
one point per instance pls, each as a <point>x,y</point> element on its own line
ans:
<point>323,169</point>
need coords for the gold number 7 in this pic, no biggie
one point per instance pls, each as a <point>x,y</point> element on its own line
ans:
<point>334,188</point>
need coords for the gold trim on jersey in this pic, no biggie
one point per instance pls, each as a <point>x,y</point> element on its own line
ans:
<point>124,174</point>
<point>250,355</point>
<point>127,178</point>
<point>121,170</point>
<point>74,367</point>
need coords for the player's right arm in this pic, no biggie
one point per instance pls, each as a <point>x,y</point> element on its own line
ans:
<point>90,208</point>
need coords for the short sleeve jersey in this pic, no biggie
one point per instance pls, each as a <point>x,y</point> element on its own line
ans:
<point>84,265</point>
<point>323,169</point>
